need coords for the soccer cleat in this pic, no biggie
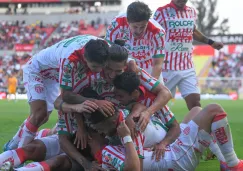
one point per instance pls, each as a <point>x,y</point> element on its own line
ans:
<point>7,166</point>
<point>238,167</point>
<point>223,166</point>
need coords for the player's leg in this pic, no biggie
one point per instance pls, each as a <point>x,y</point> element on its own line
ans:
<point>213,119</point>
<point>188,88</point>
<point>36,150</point>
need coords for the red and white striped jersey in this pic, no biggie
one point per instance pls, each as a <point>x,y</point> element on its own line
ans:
<point>164,114</point>
<point>142,50</point>
<point>179,26</point>
<point>105,90</point>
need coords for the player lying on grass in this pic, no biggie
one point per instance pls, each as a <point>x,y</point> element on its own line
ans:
<point>195,130</point>
<point>61,65</point>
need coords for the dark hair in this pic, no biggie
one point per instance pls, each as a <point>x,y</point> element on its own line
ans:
<point>127,81</point>
<point>138,11</point>
<point>97,51</point>
<point>118,53</point>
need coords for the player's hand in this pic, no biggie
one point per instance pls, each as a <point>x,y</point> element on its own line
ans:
<point>81,138</point>
<point>105,107</point>
<point>132,66</point>
<point>143,120</point>
<point>92,166</point>
<point>159,151</point>
<point>87,106</point>
<point>217,45</point>
<point>123,130</point>
<point>132,126</point>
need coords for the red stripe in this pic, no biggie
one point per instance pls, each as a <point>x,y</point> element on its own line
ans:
<point>45,166</point>
<point>219,117</point>
<point>80,82</point>
<point>171,54</point>
<point>176,55</point>
<point>137,144</point>
<point>114,153</point>
<point>62,71</point>
<point>112,32</point>
<point>180,60</point>
<point>21,154</point>
<point>162,13</point>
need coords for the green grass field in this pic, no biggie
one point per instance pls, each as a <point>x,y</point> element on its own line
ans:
<point>13,113</point>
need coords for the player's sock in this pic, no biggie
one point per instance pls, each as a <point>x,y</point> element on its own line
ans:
<point>42,133</point>
<point>221,131</point>
<point>216,151</point>
<point>29,132</point>
<point>13,144</point>
<point>35,166</point>
<point>16,157</point>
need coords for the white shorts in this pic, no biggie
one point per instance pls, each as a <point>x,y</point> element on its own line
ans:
<point>52,146</point>
<point>184,153</point>
<point>154,132</point>
<point>42,85</point>
<point>186,81</point>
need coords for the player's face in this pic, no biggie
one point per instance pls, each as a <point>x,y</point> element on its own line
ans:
<point>138,28</point>
<point>180,3</point>
<point>105,127</point>
<point>122,96</point>
<point>95,67</point>
<point>113,69</point>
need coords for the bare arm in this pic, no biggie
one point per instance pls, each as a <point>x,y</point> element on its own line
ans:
<point>172,134</point>
<point>68,147</point>
<point>198,36</point>
<point>73,98</point>
<point>157,67</point>
<point>132,161</point>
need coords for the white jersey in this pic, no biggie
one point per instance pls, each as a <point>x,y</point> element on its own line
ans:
<point>179,26</point>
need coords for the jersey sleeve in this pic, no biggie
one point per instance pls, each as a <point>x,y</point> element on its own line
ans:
<point>147,80</point>
<point>67,74</point>
<point>65,124</point>
<point>159,17</point>
<point>112,31</point>
<point>159,44</point>
<point>166,116</point>
<point>138,143</point>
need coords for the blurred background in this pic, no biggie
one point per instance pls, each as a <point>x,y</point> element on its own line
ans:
<point>27,26</point>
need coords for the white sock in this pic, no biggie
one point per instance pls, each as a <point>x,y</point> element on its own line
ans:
<point>16,157</point>
<point>13,144</point>
<point>28,135</point>
<point>216,151</point>
<point>35,166</point>
<point>221,131</point>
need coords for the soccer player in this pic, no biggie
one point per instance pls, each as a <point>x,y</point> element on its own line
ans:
<point>144,37</point>
<point>179,22</point>
<point>61,65</point>
<point>12,83</point>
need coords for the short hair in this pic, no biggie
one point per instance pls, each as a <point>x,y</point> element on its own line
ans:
<point>97,51</point>
<point>127,81</point>
<point>118,53</point>
<point>138,11</point>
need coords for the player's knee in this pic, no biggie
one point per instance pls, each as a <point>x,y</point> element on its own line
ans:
<point>61,162</point>
<point>214,109</point>
<point>31,150</point>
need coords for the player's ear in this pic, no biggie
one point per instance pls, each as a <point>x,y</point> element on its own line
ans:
<point>135,94</point>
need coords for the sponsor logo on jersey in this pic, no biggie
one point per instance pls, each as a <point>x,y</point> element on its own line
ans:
<point>182,23</point>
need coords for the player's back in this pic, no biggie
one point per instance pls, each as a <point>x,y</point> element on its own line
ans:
<point>51,56</point>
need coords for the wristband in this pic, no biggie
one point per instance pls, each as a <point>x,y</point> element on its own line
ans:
<point>210,41</point>
<point>127,139</point>
<point>60,106</point>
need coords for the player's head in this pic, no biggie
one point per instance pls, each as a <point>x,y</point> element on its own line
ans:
<point>138,14</point>
<point>116,63</point>
<point>96,54</point>
<point>127,87</point>
<point>104,125</point>
<point>180,3</point>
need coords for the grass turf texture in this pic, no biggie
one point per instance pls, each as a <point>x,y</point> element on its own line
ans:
<point>12,114</point>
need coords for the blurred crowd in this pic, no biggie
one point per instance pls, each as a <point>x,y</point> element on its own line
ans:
<point>19,32</point>
<point>227,65</point>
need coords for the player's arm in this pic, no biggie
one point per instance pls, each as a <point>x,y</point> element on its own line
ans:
<point>159,53</point>
<point>198,36</point>
<point>172,134</point>
<point>68,147</point>
<point>132,161</point>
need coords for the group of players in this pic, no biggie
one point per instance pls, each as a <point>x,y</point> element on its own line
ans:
<point>112,108</point>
